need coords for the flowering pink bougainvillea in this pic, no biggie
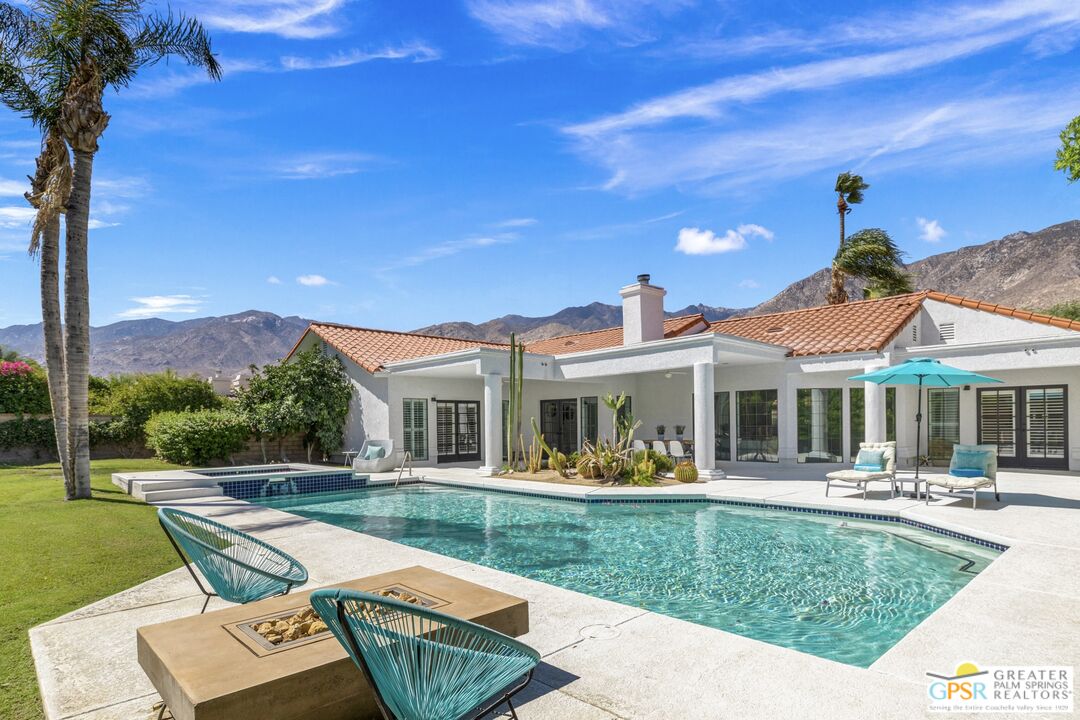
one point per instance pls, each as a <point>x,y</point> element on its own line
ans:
<point>18,367</point>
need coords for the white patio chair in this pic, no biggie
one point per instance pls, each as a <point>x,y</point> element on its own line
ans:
<point>861,478</point>
<point>678,451</point>
<point>383,463</point>
<point>659,447</point>
<point>639,446</point>
<point>968,478</point>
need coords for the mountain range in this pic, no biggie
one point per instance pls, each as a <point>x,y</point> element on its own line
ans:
<point>1024,269</point>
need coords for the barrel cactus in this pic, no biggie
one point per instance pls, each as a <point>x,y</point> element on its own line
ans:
<point>686,472</point>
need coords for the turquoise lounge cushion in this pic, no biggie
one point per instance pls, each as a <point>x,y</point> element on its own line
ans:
<point>374,452</point>
<point>870,460</point>
<point>967,472</point>
<point>970,459</point>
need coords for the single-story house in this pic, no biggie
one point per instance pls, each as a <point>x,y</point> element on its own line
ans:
<point>776,385</point>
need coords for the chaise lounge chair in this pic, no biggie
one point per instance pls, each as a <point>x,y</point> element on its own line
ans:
<point>972,467</point>
<point>375,456</point>
<point>423,664</point>
<point>876,462</point>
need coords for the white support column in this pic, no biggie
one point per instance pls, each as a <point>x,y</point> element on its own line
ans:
<point>874,409</point>
<point>705,422</point>
<point>788,403</point>
<point>492,424</point>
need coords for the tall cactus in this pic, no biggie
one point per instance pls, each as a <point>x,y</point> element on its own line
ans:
<point>513,415</point>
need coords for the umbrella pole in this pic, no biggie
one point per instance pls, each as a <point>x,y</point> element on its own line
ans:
<point>918,431</point>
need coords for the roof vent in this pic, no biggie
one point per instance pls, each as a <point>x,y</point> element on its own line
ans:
<point>776,329</point>
<point>644,278</point>
<point>947,331</point>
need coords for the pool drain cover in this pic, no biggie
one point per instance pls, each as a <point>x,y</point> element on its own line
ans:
<point>599,632</point>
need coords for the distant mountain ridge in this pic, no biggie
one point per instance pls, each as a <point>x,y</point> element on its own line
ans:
<point>1023,269</point>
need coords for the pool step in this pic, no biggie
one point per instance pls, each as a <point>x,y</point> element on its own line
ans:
<point>168,490</point>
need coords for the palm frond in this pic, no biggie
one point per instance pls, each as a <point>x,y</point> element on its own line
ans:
<point>850,186</point>
<point>182,36</point>
<point>870,254</point>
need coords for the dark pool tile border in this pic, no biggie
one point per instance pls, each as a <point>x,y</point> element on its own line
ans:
<point>587,500</point>
<point>305,484</point>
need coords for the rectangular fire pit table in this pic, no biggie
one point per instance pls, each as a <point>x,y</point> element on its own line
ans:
<point>218,667</point>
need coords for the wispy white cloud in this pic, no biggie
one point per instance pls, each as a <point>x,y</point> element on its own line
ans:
<point>516,222</point>
<point>695,241</point>
<point>155,305</point>
<point>17,216</point>
<point>749,283</point>
<point>314,281</point>
<point>930,230</point>
<point>303,19</point>
<point>446,249</point>
<point>314,166</point>
<point>561,24</point>
<point>417,52</point>
<point>273,280</point>
<point>13,188</point>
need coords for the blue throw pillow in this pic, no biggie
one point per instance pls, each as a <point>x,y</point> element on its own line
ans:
<point>374,452</point>
<point>971,459</point>
<point>870,460</point>
<point>967,472</point>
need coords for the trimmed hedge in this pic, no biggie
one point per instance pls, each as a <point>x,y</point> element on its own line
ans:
<point>196,438</point>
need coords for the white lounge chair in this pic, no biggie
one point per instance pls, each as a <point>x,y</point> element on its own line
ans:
<point>962,472</point>
<point>659,447</point>
<point>678,451</point>
<point>384,462</point>
<point>862,478</point>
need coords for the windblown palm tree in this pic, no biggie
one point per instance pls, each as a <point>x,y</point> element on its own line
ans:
<point>69,51</point>
<point>849,191</point>
<point>873,257</point>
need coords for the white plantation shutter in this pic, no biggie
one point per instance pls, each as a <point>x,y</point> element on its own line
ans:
<point>1046,422</point>
<point>414,430</point>
<point>943,428</point>
<point>997,420</point>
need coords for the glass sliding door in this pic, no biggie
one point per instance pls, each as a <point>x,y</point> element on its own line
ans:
<point>943,424</point>
<point>757,417</point>
<point>722,422</point>
<point>590,419</point>
<point>414,427</point>
<point>558,423</point>
<point>819,418</point>
<point>457,430</point>
<point>1044,436</point>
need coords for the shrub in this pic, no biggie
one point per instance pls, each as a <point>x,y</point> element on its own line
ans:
<point>29,433</point>
<point>133,399</point>
<point>663,463</point>
<point>24,389</point>
<point>196,438</point>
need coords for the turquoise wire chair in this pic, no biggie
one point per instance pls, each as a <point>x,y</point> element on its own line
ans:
<point>240,568</point>
<point>424,664</point>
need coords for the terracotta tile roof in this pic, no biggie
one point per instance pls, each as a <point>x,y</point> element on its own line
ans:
<point>372,349</point>
<point>608,337</point>
<point>852,327</point>
<point>1004,310</point>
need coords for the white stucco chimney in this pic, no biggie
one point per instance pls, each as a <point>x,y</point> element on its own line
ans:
<point>642,311</point>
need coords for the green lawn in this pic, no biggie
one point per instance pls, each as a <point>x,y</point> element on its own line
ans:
<point>57,556</point>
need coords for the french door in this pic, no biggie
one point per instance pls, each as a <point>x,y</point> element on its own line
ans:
<point>457,430</point>
<point>558,423</point>
<point>1028,424</point>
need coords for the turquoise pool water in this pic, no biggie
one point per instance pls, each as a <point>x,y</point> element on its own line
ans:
<point>839,588</point>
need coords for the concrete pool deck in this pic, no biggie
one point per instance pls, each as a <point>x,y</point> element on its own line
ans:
<point>607,660</point>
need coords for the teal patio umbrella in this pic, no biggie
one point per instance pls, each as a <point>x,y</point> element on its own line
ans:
<point>926,372</point>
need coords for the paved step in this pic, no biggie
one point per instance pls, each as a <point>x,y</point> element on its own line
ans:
<point>152,496</point>
<point>138,487</point>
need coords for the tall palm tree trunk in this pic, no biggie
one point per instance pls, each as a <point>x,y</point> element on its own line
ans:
<point>77,317</point>
<point>53,329</point>
<point>837,294</point>
<point>82,120</point>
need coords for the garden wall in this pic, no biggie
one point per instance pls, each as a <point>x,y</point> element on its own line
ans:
<point>292,447</point>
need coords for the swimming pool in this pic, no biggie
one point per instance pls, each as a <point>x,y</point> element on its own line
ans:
<point>841,588</point>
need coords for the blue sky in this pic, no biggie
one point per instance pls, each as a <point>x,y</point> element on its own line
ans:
<point>395,164</point>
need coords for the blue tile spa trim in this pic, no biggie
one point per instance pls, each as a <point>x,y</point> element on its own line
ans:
<point>334,481</point>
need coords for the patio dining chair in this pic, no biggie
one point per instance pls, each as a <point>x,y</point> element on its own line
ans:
<point>639,446</point>
<point>678,451</point>
<point>659,447</point>
<point>423,664</point>
<point>239,568</point>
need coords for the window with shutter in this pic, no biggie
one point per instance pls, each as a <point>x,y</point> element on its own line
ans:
<point>414,427</point>
<point>943,428</point>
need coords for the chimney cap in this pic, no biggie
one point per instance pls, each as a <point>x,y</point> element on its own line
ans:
<point>644,278</point>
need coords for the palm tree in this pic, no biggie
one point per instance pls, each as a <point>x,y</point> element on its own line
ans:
<point>75,49</point>
<point>1068,155</point>
<point>849,191</point>
<point>872,256</point>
